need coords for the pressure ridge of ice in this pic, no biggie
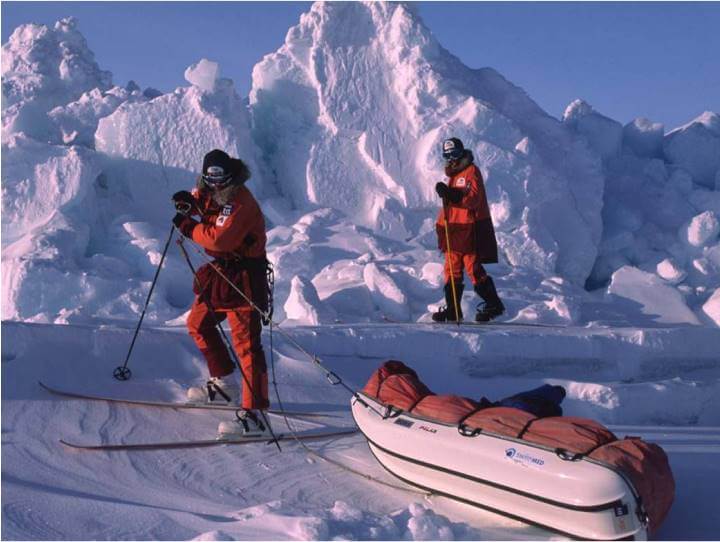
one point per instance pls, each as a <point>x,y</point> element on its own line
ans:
<point>341,131</point>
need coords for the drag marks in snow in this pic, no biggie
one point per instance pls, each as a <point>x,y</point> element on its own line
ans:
<point>256,492</point>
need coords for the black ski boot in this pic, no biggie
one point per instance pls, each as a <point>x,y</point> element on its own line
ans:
<point>492,306</point>
<point>447,313</point>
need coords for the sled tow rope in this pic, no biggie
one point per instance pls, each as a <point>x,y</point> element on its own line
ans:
<point>332,377</point>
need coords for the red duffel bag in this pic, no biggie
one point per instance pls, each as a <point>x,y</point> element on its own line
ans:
<point>505,421</point>
<point>396,384</point>
<point>390,367</point>
<point>576,435</point>
<point>444,408</point>
<point>647,466</point>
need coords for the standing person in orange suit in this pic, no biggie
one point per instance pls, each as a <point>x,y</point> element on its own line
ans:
<point>470,233</point>
<point>231,229</point>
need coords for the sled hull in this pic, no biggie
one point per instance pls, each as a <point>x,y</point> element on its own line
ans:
<point>581,499</point>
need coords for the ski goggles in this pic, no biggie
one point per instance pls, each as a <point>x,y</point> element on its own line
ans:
<point>215,176</point>
<point>452,154</point>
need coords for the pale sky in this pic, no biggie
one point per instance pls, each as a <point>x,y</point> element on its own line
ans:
<point>659,60</point>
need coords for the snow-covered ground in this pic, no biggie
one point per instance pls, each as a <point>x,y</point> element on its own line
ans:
<point>256,492</point>
<point>609,236</point>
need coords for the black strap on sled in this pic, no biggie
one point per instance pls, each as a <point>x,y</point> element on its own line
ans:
<point>392,412</point>
<point>463,428</point>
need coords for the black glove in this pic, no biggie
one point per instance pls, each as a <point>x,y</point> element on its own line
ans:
<point>442,190</point>
<point>184,201</point>
<point>184,224</point>
<point>453,195</point>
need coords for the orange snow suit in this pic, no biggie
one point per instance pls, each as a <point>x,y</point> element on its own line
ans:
<point>234,234</point>
<point>472,236</point>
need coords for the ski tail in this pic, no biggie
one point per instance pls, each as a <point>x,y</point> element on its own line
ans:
<point>177,405</point>
<point>171,445</point>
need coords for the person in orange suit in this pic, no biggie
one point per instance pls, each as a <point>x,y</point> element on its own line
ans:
<point>231,229</point>
<point>471,234</point>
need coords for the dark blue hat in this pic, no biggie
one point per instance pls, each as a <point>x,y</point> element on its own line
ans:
<point>217,168</point>
<point>452,149</point>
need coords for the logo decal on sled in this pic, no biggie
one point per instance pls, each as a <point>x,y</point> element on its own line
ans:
<point>220,220</point>
<point>227,210</point>
<point>402,422</point>
<point>526,460</point>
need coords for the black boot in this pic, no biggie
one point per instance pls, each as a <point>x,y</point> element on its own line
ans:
<point>492,306</point>
<point>447,313</point>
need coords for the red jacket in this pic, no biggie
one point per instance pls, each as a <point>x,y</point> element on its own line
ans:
<point>470,225</point>
<point>234,234</point>
<point>237,228</point>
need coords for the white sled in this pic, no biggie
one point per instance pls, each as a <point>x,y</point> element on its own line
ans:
<point>574,496</point>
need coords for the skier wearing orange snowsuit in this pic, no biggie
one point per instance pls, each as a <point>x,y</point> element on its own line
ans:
<point>471,234</point>
<point>231,229</point>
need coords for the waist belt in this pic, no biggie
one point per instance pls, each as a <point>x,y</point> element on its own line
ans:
<point>247,264</point>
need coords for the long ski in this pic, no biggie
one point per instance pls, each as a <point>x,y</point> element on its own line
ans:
<point>470,323</point>
<point>314,435</point>
<point>170,404</point>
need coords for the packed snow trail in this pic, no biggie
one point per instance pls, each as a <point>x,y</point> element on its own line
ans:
<point>255,492</point>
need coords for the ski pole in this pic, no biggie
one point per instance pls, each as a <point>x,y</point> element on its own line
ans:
<point>122,372</point>
<point>331,376</point>
<point>449,259</point>
<point>228,344</point>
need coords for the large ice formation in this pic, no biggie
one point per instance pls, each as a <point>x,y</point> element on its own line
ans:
<point>176,130</point>
<point>695,147</point>
<point>350,113</point>
<point>204,74</point>
<point>660,302</point>
<point>76,122</point>
<point>43,68</point>
<point>644,138</point>
<point>603,134</point>
<point>342,134</point>
<point>659,212</point>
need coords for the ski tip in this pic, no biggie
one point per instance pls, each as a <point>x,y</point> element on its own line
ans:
<point>45,386</point>
<point>72,445</point>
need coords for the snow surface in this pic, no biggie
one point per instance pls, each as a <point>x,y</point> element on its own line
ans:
<point>655,297</point>
<point>638,381</point>
<point>608,231</point>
